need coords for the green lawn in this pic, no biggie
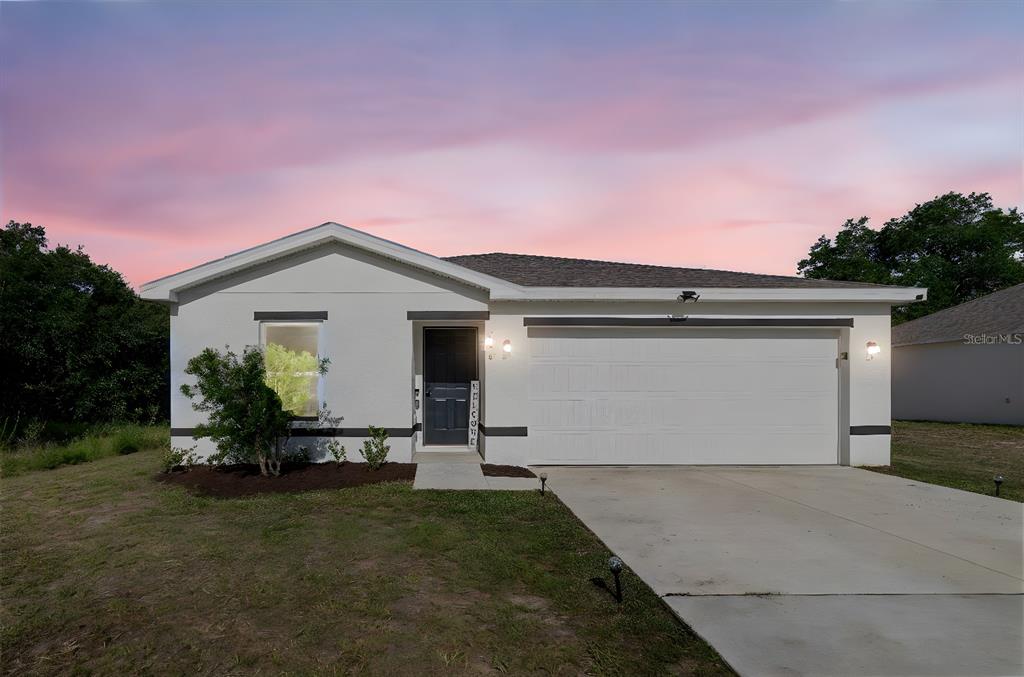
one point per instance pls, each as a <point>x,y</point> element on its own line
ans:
<point>959,455</point>
<point>106,571</point>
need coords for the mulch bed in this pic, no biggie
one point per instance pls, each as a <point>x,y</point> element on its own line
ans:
<point>245,480</point>
<point>491,470</point>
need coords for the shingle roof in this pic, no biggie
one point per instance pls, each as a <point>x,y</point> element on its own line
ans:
<point>1000,312</point>
<point>555,271</point>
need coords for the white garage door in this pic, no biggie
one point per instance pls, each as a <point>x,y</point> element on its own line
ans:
<point>649,396</point>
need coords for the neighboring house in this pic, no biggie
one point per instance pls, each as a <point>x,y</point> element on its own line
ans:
<point>963,364</point>
<point>577,362</point>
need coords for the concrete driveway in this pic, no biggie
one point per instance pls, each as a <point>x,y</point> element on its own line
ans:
<point>819,570</point>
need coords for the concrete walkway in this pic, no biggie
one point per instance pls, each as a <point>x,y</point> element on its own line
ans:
<point>819,571</point>
<point>457,476</point>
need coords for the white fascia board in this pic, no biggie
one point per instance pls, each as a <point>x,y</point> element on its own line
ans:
<point>894,295</point>
<point>166,288</point>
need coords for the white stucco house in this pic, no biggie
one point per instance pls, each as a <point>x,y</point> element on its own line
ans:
<point>963,364</point>
<point>562,361</point>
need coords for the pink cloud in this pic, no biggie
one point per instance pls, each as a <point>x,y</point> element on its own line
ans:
<point>163,142</point>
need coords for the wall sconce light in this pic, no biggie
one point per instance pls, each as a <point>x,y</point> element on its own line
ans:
<point>506,346</point>
<point>873,349</point>
<point>489,346</point>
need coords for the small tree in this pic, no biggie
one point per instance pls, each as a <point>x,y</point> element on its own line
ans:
<point>245,417</point>
<point>375,448</point>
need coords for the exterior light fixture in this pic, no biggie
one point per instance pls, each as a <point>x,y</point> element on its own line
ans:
<point>543,481</point>
<point>998,479</point>
<point>873,349</point>
<point>615,566</point>
<point>506,346</point>
<point>489,346</point>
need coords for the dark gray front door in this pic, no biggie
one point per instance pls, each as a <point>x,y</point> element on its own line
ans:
<point>449,357</point>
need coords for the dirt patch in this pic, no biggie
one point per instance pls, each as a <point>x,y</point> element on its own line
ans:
<point>491,470</point>
<point>245,480</point>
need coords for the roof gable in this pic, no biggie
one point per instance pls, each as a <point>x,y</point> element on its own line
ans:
<point>167,288</point>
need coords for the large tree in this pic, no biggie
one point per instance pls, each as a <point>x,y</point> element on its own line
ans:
<point>76,343</point>
<point>960,247</point>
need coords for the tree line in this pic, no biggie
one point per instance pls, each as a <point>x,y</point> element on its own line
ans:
<point>77,344</point>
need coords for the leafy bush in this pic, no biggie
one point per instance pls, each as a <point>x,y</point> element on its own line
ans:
<point>337,451</point>
<point>245,417</point>
<point>178,457</point>
<point>375,448</point>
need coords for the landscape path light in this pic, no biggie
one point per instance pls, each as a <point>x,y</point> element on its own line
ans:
<point>998,479</point>
<point>615,566</point>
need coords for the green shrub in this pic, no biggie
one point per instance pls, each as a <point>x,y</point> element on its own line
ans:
<point>245,417</point>
<point>177,457</point>
<point>337,451</point>
<point>375,448</point>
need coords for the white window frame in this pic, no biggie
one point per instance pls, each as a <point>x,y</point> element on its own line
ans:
<point>319,324</point>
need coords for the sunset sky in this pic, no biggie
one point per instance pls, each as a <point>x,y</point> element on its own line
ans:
<point>693,134</point>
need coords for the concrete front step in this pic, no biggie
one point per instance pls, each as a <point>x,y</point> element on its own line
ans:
<point>447,457</point>
<point>462,476</point>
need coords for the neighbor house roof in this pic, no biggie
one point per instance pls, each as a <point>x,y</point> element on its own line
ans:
<point>555,271</point>
<point>1000,312</point>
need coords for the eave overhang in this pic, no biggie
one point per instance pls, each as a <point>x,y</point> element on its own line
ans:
<point>166,289</point>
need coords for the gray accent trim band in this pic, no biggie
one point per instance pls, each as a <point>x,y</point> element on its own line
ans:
<point>686,322</point>
<point>505,431</point>
<point>870,430</point>
<point>316,432</point>
<point>448,315</point>
<point>290,315</point>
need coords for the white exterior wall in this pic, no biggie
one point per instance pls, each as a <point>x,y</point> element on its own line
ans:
<point>864,384</point>
<point>373,347</point>
<point>367,335</point>
<point>958,382</point>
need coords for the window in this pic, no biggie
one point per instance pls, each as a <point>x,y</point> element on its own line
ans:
<point>291,351</point>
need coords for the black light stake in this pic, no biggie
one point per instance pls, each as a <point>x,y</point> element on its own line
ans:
<point>615,566</point>
<point>998,479</point>
<point>543,481</point>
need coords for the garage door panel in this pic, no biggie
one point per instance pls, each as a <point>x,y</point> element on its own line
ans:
<point>657,398</point>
